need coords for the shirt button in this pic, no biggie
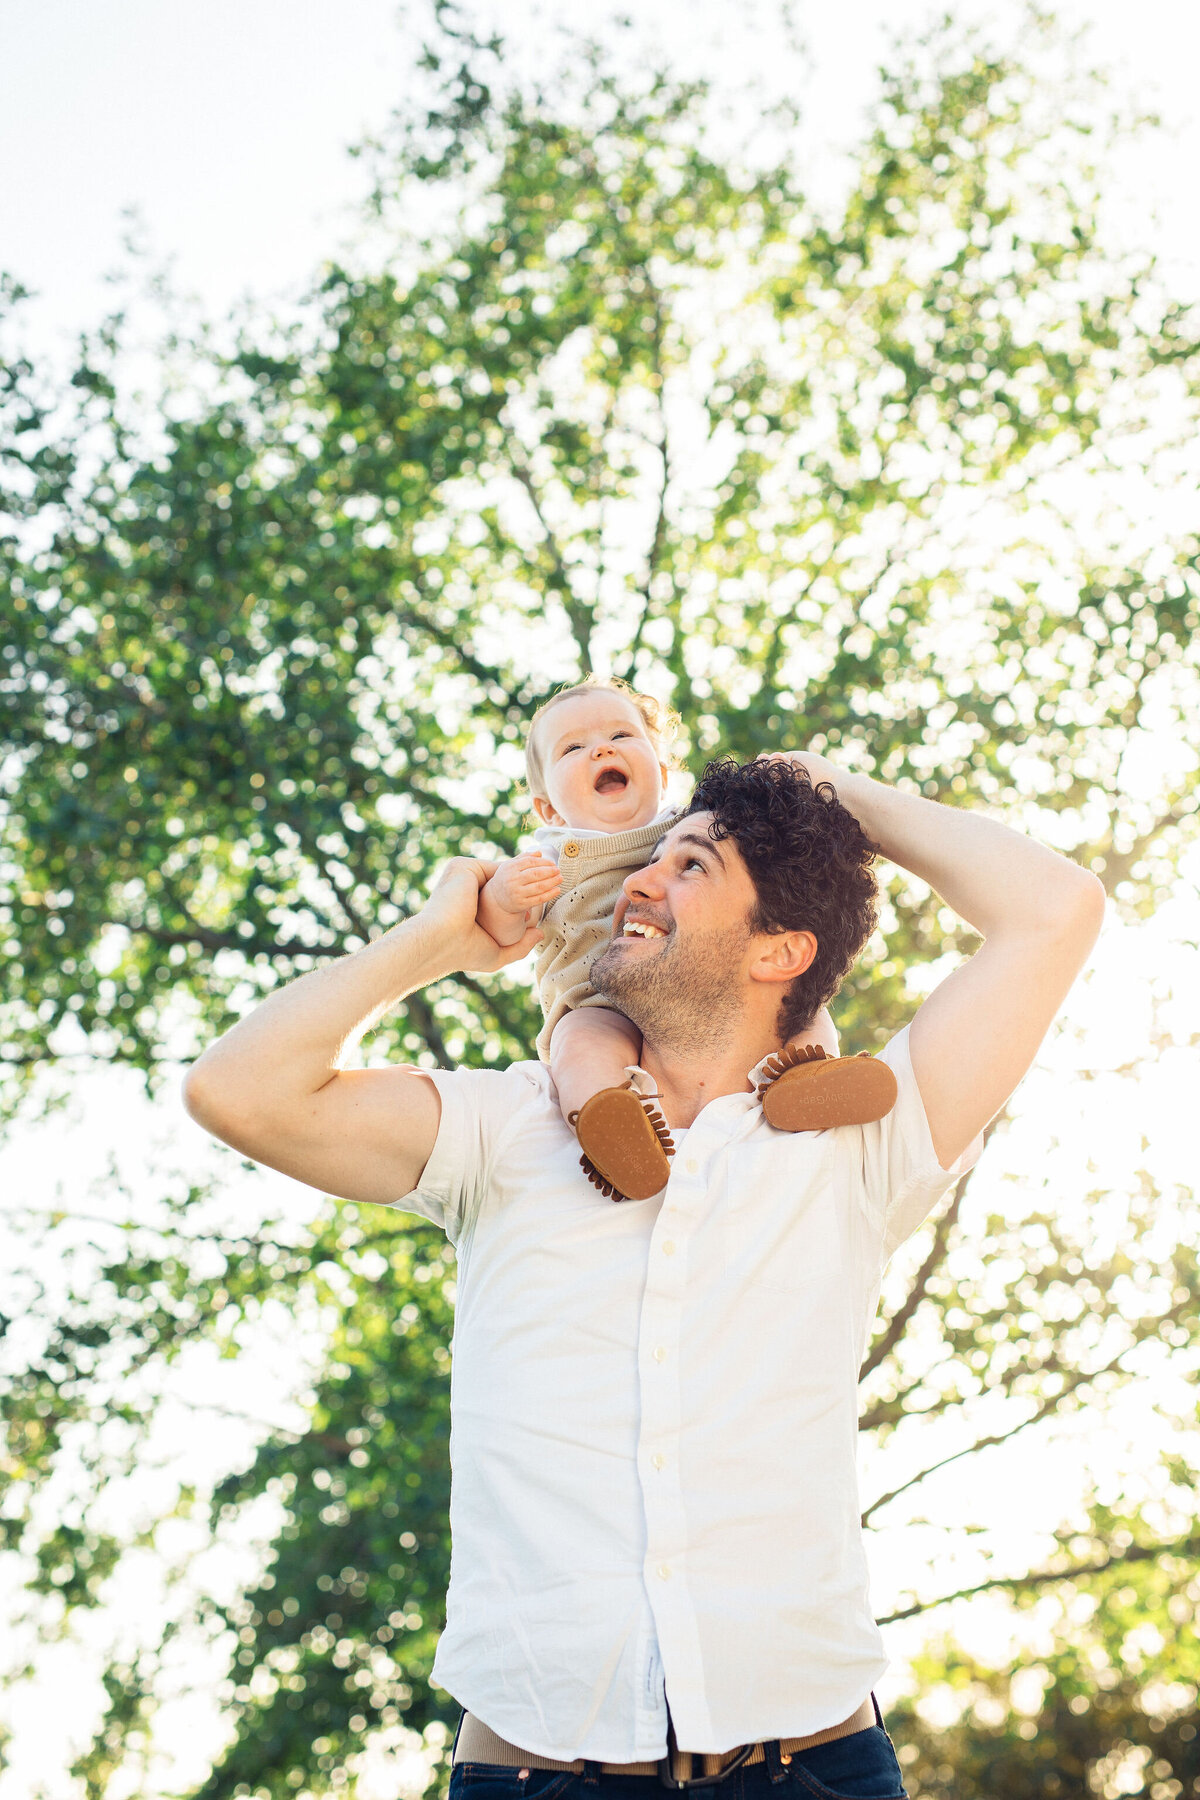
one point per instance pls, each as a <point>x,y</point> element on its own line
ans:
<point>657,1460</point>
<point>570,849</point>
<point>663,1573</point>
<point>669,1247</point>
<point>691,1165</point>
<point>660,1353</point>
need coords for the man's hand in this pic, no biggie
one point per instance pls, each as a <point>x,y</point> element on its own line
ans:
<point>818,768</point>
<point>514,891</point>
<point>275,1087</point>
<point>460,920</point>
<point>1038,914</point>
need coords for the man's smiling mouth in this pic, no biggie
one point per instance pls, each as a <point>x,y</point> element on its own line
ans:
<point>641,928</point>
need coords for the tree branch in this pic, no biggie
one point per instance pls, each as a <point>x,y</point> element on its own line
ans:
<point>357,923</point>
<point>580,615</point>
<point>1047,1407</point>
<point>1118,865</point>
<point>487,678</point>
<point>227,1412</point>
<point>221,940</point>
<point>1082,1378</point>
<point>1189,1546</point>
<point>898,1323</point>
<point>660,523</point>
<point>420,1012</point>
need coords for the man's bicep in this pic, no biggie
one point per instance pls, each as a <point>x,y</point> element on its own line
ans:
<point>978,1032</point>
<point>366,1135</point>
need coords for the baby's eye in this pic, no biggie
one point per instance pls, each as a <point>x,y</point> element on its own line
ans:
<point>567,748</point>
<point>618,734</point>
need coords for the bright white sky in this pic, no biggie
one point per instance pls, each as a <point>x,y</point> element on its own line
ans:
<point>224,123</point>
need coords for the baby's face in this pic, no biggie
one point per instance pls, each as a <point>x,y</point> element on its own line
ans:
<point>602,771</point>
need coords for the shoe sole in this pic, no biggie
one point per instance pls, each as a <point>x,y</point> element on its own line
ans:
<point>819,1096</point>
<point>622,1145</point>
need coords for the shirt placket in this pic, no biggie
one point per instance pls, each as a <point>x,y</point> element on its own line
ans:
<point>660,1377</point>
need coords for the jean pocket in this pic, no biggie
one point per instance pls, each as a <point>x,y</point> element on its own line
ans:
<point>862,1766</point>
<point>497,1781</point>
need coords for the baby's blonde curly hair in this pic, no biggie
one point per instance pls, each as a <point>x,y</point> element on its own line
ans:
<point>662,722</point>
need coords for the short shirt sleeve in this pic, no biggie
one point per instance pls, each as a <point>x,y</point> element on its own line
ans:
<point>479,1109</point>
<point>902,1179</point>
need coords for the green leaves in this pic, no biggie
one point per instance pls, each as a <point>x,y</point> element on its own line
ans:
<point>854,478</point>
<point>339,1635</point>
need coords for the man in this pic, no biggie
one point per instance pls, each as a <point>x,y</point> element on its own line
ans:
<point>654,1510</point>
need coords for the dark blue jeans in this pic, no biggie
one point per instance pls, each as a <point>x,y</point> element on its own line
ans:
<point>862,1766</point>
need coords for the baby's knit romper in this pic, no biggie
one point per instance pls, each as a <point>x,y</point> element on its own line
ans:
<point>578,925</point>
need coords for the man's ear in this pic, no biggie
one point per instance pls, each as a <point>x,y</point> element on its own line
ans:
<point>545,811</point>
<point>786,955</point>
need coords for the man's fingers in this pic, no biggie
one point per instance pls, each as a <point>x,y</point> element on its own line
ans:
<point>460,868</point>
<point>514,952</point>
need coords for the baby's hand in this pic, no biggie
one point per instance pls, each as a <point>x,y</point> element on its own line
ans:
<point>517,888</point>
<point>525,883</point>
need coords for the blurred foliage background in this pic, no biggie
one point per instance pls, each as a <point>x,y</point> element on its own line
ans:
<point>877,479</point>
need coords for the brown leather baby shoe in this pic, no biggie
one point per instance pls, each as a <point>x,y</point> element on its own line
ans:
<point>625,1142</point>
<point>804,1090</point>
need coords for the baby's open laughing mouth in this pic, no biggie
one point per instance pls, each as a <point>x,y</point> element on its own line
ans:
<point>610,781</point>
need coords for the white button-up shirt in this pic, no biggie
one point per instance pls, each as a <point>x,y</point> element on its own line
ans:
<point>654,1418</point>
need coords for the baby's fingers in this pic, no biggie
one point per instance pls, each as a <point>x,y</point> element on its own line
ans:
<point>537,884</point>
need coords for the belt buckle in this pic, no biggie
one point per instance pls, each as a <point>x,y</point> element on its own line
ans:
<point>666,1768</point>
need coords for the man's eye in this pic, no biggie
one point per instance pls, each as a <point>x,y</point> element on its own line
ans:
<point>694,862</point>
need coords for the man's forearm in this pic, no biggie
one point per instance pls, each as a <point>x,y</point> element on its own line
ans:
<point>976,1035</point>
<point>275,1089</point>
<point>994,878</point>
<point>297,1038</point>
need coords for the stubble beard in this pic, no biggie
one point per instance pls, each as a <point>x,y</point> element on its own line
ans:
<point>683,998</point>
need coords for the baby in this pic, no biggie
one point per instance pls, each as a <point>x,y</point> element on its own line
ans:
<point>597,759</point>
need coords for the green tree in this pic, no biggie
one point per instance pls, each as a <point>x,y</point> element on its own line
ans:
<point>1110,1710</point>
<point>269,657</point>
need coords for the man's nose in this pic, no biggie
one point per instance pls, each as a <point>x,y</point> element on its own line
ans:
<point>644,884</point>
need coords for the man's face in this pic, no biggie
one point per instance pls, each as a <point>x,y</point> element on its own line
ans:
<point>678,964</point>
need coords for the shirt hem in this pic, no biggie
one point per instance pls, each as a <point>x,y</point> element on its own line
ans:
<point>719,1744</point>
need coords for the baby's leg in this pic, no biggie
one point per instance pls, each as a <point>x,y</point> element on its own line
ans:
<point>624,1138</point>
<point>590,1049</point>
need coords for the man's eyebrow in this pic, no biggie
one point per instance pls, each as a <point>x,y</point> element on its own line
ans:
<point>701,842</point>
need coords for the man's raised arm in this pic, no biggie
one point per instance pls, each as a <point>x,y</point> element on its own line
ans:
<point>1038,914</point>
<point>274,1087</point>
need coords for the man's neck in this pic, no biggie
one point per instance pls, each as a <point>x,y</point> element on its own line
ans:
<point>688,1079</point>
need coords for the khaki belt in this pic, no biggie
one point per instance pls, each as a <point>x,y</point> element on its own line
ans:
<point>476,1744</point>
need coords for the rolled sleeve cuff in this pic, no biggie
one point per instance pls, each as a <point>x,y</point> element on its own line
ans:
<point>438,1194</point>
<point>916,1178</point>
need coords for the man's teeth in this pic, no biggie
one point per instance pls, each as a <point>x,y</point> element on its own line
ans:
<point>635,928</point>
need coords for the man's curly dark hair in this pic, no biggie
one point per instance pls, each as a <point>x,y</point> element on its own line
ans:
<point>810,862</point>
